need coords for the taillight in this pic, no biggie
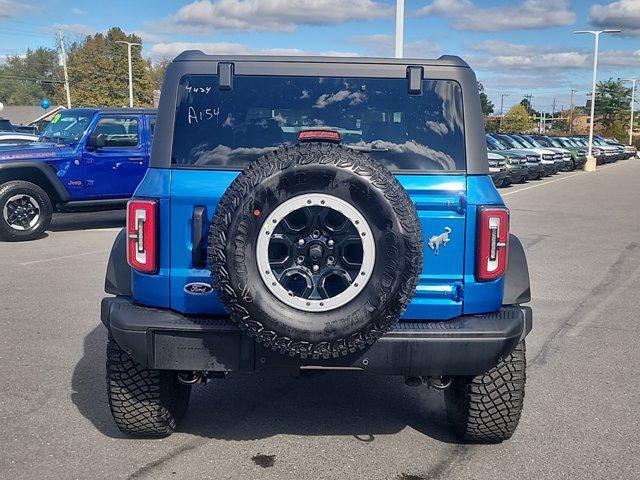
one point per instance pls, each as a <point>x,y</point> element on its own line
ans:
<point>142,233</point>
<point>493,240</point>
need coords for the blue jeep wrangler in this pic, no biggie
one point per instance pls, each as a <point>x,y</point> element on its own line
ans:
<point>304,214</point>
<point>86,159</point>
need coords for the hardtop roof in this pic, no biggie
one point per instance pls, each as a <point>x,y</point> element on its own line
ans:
<point>198,55</point>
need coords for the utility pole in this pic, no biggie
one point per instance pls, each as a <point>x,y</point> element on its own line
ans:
<point>633,100</point>
<point>501,105</point>
<point>553,108</point>
<point>63,61</point>
<point>590,166</point>
<point>399,28</point>
<point>573,91</point>
<point>129,45</point>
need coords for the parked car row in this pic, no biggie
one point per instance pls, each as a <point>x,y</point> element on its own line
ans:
<point>516,158</point>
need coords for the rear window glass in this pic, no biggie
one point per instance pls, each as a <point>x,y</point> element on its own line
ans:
<point>231,128</point>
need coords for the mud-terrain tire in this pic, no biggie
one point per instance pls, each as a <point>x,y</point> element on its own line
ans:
<point>295,172</point>
<point>486,408</point>
<point>15,193</point>
<point>143,402</point>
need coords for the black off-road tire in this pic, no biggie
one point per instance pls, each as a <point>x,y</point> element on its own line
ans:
<point>143,402</point>
<point>332,170</point>
<point>486,408</point>
<point>16,187</point>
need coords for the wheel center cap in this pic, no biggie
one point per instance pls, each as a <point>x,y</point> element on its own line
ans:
<point>316,252</point>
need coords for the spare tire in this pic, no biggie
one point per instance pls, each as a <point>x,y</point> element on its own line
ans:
<point>315,250</point>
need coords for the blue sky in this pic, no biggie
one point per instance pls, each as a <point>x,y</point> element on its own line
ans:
<point>516,47</point>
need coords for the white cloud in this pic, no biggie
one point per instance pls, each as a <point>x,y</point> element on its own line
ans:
<point>466,15</point>
<point>204,16</point>
<point>12,8</point>
<point>172,49</point>
<point>623,14</point>
<point>544,64</point>
<point>76,11</point>
<point>382,45</point>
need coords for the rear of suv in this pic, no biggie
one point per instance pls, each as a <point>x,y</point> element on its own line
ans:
<point>304,214</point>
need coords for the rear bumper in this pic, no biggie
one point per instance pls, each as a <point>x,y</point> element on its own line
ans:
<point>166,340</point>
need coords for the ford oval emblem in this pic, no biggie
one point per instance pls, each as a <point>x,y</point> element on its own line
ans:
<point>198,288</point>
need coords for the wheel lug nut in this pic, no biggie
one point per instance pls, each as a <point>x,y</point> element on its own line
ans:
<point>316,268</point>
<point>330,243</point>
<point>331,260</point>
<point>301,241</point>
<point>316,233</point>
<point>300,259</point>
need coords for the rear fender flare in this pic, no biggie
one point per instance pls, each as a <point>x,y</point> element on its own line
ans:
<point>118,277</point>
<point>517,289</point>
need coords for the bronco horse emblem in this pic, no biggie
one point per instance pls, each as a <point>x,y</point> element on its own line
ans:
<point>439,240</point>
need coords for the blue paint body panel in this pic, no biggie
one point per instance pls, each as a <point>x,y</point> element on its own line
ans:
<point>447,286</point>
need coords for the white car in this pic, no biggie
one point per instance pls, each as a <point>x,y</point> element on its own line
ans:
<point>15,139</point>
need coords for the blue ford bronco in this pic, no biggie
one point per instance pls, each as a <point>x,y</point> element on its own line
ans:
<point>86,159</point>
<point>304,214</point>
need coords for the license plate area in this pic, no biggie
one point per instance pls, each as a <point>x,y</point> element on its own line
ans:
<point>202,351</point>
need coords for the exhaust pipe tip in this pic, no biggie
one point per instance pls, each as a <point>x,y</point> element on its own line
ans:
<point>439,383</point>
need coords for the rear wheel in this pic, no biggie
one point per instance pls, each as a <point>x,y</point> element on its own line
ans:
<point>25,211</point>
<point>486,408</point>
<point>142,401</point>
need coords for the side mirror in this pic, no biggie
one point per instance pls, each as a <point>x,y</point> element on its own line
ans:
<point>97,141</point>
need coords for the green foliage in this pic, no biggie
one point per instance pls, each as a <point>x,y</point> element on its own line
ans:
<point>157,72</point>
<point>99,72</point>
<point>612,100</point>
<point>517,120</point>
<point>25,80</point>
<point>487,105</point>
<point>526,103</point>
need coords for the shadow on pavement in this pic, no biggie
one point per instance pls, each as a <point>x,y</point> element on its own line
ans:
<point>249,407</point>
<point>63,222</point>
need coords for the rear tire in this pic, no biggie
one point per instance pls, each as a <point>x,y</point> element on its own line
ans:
<point>142,401</point>
<point>25,211</point>
<point>486,408</point>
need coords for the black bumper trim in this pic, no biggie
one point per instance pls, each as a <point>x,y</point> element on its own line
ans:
<point>167,340</point>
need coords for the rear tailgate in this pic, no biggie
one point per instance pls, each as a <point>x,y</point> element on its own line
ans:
<point>441,205</point>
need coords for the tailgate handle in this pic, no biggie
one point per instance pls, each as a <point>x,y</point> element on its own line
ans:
<point>197,234</point>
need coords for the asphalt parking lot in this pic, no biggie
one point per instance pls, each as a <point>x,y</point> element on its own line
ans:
<point>582,237</point>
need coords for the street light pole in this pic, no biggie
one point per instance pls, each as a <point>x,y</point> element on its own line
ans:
<point>573,91</point>
<point>591,161</point>
<point>633,100</point>
<point>129,45</point>
<point>399,28</point>
<point>501,105</point>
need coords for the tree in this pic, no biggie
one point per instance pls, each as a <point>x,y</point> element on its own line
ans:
<point>25,80</point>
<point>612,100</point>
<point>517,119</point>
<point>157,72</point>
<point>99,71</point>
<point>487,105</point>
<point>526,103</point>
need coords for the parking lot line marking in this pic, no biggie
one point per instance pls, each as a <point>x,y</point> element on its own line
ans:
<point>560,179</point>
<point>52,259</point>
